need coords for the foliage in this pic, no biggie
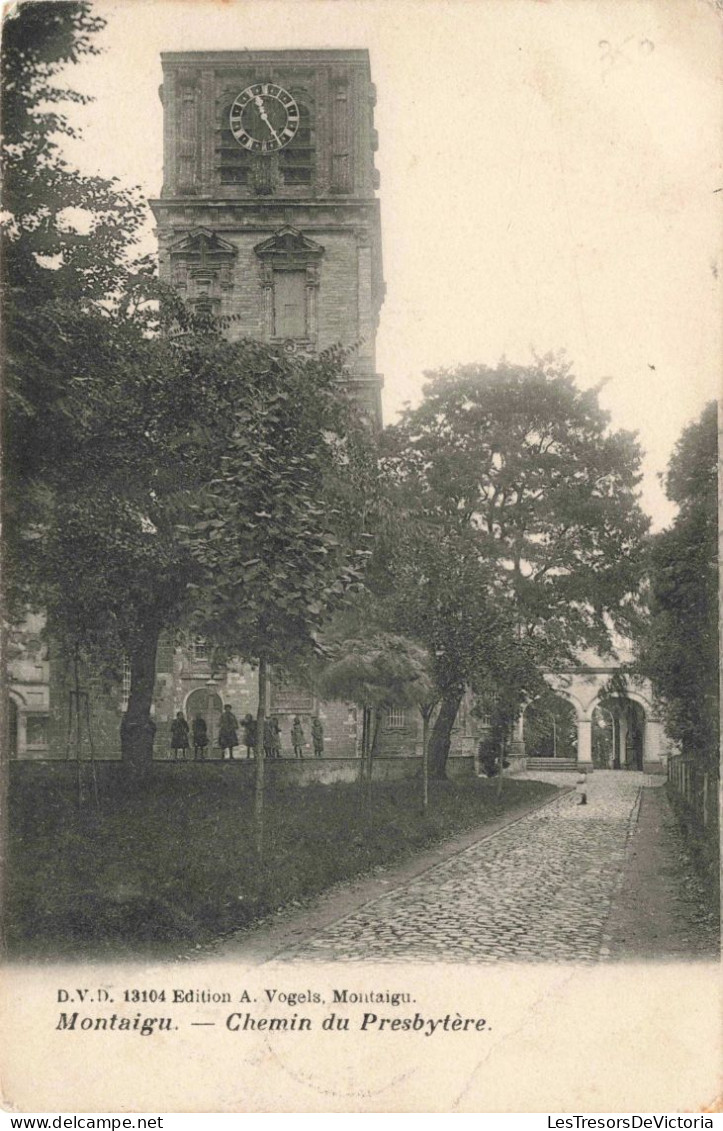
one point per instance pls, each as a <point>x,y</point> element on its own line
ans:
<point>382,671</point>
<point>66,236</point>
<point>679,648</point>
<point>274,555</point>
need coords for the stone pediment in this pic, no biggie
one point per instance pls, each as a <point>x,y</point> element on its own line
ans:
<point>202,244</point>
<point>289,244</point>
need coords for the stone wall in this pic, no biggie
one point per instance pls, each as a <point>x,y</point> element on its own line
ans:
<point>283,774</point>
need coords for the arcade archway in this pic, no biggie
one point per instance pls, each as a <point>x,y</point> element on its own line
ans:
<point>550,728</point>
<point>618,734</point>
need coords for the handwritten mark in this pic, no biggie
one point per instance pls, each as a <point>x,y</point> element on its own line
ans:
<point>626,51</point>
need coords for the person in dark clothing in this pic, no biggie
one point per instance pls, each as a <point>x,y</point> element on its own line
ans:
<point>228,731</point>
<point>179,735</point>
<point>297,738</point>
<point>317,736</point>
<point>248,724</point>
<point>275,737</point>
<point>200,738</point>
<point>268,739</point>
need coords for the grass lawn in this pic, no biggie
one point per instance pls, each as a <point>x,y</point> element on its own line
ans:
<point>172,864</point>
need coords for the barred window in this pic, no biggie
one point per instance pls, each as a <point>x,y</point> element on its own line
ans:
<point>125,683</point>
<point>396,718</point>
<point>199,649</point>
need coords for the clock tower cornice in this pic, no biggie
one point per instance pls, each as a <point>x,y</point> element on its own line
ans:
<point>312,56</point>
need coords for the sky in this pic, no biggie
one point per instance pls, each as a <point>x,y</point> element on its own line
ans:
<point>550,179</point>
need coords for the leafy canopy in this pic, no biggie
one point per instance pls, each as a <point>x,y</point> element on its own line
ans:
<point>270,535</point>
<point>523,464</point>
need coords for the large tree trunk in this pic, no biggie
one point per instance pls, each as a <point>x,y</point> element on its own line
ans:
<point>501,774</point>
<point>138,730</point>
<point>426,712</point>
<point>376,716</point>
<point>366,730</point>
<point>442,734</point>
<point>260,761</point>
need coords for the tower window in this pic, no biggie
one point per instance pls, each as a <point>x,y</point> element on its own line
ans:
<point>290,304</point>
<point>232,160</point>
<point>297,158</point>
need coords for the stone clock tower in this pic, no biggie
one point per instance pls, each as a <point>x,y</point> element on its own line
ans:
<point>268,208</point>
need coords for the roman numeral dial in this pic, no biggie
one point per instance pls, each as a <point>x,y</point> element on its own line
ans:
<point>264,118</point>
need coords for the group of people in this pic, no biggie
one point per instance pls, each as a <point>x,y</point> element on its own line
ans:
<point>228,739</point>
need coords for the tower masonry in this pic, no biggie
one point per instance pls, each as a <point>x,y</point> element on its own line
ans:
<point>268,210</point>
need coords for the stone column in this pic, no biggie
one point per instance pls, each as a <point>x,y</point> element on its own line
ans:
<point>341,171</point>
<point>365,312</point>
<point>623,739</point>
<point>517,741</point>
<point>168,98</point>
<point>208,133</point>
<point>188,137</point>
<point>584,742</point>
<point>267,283</point>
<point>653,741</point>
<point>311,291</point>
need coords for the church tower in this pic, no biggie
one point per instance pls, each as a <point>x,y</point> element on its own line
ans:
<point>268,209</point>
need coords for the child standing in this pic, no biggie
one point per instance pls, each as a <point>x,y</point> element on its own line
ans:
<point>297,737</point>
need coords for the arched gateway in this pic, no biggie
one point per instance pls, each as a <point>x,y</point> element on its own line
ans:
<point>614,730</point>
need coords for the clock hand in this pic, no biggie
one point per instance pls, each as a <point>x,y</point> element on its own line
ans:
<point>259,102</point>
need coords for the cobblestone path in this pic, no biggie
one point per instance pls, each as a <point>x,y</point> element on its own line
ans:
<point>538,890</point>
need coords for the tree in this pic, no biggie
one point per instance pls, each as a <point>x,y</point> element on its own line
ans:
<point>378,670</point>
<point>62,234</point>
<point>156,431</point>
<point>679,646</point>
<point>274,558</point>
<point>66,237</point>
<point>443,594</point>
<point>65,249</point>
<point>522,488</point>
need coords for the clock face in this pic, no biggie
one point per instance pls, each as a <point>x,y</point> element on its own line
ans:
<point>264,118</point>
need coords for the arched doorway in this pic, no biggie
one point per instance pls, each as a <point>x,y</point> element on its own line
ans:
<point>604,738</point>
<point>550,728</point>
<point>618,734</point>
<point>206,703</point>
